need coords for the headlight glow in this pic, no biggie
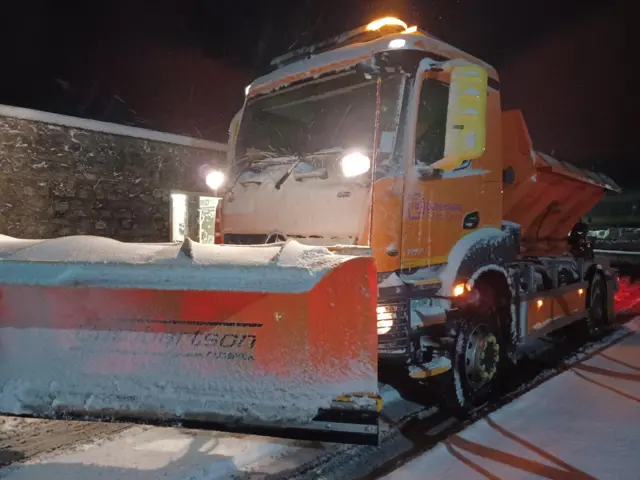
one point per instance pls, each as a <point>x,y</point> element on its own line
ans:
<point>460,289</point>
<point>354,164</point>
<point>385,319</point>
<point>215,179</point>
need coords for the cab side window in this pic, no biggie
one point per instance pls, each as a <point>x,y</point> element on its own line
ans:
<point>431,126</point>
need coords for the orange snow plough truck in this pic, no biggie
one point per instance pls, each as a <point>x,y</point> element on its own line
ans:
<point>267,340</point>
<point>379,207</point>
<point>392,143</point>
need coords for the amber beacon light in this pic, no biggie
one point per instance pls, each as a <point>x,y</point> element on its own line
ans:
<point>386,22</point>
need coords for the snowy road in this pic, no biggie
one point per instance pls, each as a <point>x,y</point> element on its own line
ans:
<point>74,451</point>
<point>582,424</point>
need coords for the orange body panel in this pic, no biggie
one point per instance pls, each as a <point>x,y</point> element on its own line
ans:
<point>387,223</point>
<point>564,305</point>
<point>433,223</point>
<point>548,197</point>
<point>434,209</point>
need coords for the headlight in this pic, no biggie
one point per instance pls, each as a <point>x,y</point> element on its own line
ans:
<point>385,319</point>
<point>215,179</point>
<point>354,164</point>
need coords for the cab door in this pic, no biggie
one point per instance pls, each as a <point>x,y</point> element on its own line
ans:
<point>441,204</point>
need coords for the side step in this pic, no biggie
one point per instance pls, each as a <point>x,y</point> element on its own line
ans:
<point>435,367</point>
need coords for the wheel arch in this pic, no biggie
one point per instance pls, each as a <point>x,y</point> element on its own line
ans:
<point>480,248</point>
<point>610,277</point>
<point>482,256</point>
<point>496,279</point>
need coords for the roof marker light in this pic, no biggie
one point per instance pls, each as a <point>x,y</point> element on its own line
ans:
<point>413,29</point>
<point>397,43</point>
<point>385,22</point>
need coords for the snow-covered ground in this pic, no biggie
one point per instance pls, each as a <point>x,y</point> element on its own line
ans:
<point>581,424</point>
<point>152,453</point>
<point>143,452</point>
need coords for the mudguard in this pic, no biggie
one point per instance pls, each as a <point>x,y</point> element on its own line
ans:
<point>268,339</point>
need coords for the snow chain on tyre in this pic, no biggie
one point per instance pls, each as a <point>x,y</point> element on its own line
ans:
<point>478,362</point>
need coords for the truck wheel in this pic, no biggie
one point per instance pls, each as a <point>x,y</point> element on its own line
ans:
<point>477,364</point>
<point>598,318</point>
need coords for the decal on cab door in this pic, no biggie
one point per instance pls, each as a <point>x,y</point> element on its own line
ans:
<point>419,207</point>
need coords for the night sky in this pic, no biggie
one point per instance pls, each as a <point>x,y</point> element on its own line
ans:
<point>181,65</point>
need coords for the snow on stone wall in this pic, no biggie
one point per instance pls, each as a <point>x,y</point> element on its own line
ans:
<point>74,177</point>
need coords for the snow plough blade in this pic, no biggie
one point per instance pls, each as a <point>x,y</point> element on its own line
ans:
<point>277,339</point>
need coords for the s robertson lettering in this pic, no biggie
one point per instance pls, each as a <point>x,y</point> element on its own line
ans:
<point>197,339</point>
<point>223,340</point>
<point>229,346</point>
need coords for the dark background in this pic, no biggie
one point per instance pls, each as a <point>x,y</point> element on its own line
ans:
<point>182,65</point>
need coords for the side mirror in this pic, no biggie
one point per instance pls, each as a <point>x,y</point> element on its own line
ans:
<point>466,116</point>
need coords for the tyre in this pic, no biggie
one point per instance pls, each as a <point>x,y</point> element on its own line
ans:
<point>478,364</point>
<point>597,321</point>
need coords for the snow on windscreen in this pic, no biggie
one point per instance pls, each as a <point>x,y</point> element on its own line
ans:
<point>321,117</point>
<point>288,175</point>
<point>97,261</point>
<point>317,120</point>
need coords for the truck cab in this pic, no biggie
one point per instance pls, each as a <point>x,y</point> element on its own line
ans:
<point>359,145</point>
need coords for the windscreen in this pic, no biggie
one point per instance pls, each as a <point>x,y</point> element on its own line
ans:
<point>317,120</point>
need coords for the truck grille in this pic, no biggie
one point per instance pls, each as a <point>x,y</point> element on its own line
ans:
<point>395,342</point>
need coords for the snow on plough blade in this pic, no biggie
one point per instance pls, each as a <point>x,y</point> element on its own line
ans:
<point>275,339</point>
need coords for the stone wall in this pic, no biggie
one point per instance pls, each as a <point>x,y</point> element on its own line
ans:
<point>58,179</point>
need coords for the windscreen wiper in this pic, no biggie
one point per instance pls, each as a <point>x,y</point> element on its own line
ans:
<point>330,151</point>
<point>288,173</point>
<point>250,163</point>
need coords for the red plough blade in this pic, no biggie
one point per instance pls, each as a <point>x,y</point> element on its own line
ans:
<point>252,339</point>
